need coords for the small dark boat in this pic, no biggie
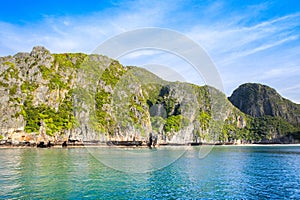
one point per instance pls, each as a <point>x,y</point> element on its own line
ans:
<point>43,145</point>
<point>195,143</point>
<point>124,143</point>
<point>173,144</point>
<point>64,144</point>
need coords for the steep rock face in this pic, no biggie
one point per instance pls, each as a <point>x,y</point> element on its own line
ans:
<point>53,97</point>
<point>35,92</point>
<point>259,100</point>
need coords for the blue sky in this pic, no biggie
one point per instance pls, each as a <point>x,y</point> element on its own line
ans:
<point>249,41</point>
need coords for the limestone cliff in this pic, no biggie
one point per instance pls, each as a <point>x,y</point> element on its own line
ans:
<point>53,97</point>
<point>273,115</point>
<point>259,100</point>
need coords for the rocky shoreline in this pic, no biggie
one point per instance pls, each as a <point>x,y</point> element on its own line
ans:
<point>9,144</point>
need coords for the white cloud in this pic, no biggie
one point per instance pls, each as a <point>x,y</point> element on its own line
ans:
<point>261,52</point>
<point>243,50</point>
<point>84,33</point>
<point>283,72</point>
<point>230,42</point>
<point>140,53</point>
<point>262,47</point>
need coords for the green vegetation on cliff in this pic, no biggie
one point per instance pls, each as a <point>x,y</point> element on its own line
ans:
<point>93,95</point>
<point>104,121</point>
<point>55,121</point>
<point>272,115</point>
<point>260,100</point>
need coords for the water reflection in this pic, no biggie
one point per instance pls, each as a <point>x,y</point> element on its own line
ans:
<point>227,172</point>
<point>9,168</point>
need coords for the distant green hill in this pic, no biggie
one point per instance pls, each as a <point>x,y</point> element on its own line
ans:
<point>263,102</point>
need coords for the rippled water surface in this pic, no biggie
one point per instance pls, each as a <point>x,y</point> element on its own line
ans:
<point>230,172</point>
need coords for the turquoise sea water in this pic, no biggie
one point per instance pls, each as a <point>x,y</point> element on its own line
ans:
<point>230,172</point>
